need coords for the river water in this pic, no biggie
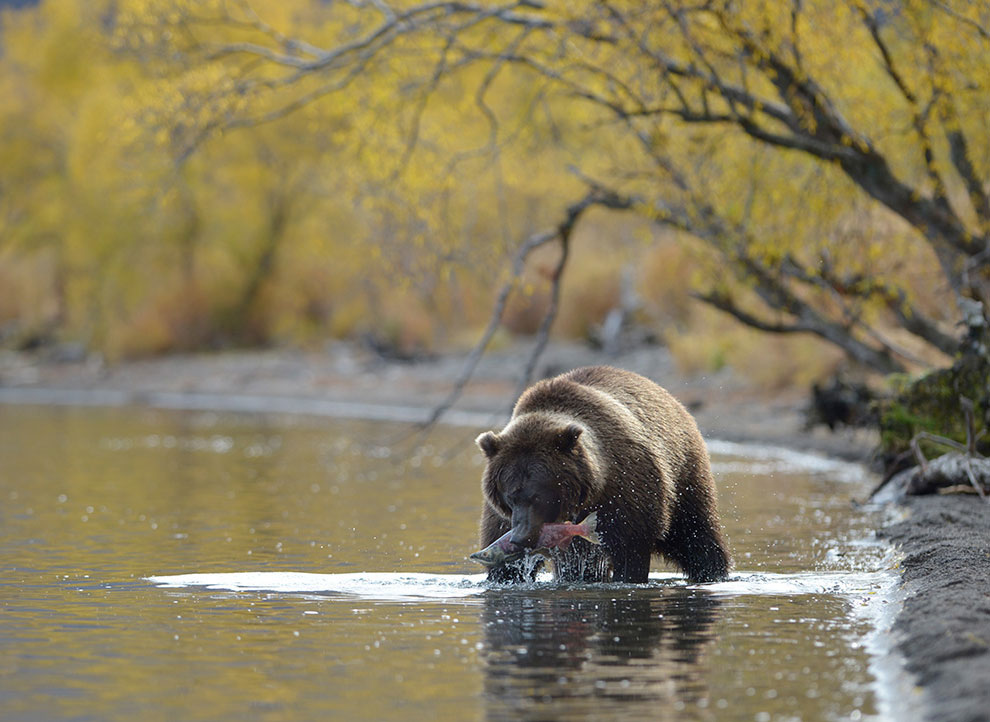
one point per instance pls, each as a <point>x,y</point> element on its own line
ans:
<point>194,565</point>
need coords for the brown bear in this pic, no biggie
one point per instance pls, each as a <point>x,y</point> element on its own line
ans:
<point>600,439</point>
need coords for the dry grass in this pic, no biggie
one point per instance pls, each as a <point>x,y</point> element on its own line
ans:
<point>310,300</point>
<point>589,292</point>
<point>178,317</point>
<point>665,276</point>
<point>27,293</point>
<point>711,341</point>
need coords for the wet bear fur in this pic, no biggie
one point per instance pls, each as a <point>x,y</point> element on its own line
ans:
<point>604,440</point>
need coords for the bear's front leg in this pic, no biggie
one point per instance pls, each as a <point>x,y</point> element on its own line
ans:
<point>581,562</point>
<point>630,566</point>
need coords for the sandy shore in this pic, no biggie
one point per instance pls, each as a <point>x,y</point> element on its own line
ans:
<point>943,627</point>
<point>349,380</point>
<point>944,624</point>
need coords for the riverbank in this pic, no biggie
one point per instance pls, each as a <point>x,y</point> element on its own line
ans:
<point>943,628</point>
<point>348,379</point>
<point>944,624</point>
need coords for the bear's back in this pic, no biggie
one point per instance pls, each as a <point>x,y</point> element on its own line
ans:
<point>585,397</point>
<point>653,406</point>
<point>623,409</point>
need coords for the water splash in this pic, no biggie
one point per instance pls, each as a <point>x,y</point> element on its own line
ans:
<point>397,586</point>
<point>366,585</point>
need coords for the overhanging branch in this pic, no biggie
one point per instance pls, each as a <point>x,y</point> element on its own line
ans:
<point>725,303</point>
<point>595,196</point>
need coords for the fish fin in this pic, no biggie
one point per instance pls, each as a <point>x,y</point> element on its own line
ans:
<point>591,522</point>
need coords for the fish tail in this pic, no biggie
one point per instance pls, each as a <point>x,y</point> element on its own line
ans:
<point>591,524</point>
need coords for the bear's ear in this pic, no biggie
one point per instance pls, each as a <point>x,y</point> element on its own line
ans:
<point>568,437</point>
<point>488,442</point>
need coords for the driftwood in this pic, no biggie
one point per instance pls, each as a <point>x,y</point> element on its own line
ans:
<point>951,473</point>
<point>961,471</point>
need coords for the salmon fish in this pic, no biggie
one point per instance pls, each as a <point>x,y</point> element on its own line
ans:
<point>552,536</point>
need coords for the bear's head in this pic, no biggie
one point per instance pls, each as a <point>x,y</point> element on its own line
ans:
<point>541,469</point>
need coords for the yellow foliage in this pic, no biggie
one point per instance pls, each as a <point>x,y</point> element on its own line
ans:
<point>233,171</point>
<point>711,342</point>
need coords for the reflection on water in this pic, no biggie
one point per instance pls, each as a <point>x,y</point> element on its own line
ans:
<point>625,657</point>
<point>383,617</point>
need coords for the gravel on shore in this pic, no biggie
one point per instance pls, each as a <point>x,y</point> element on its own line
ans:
<point>346,378</point>
<point>944,624</point>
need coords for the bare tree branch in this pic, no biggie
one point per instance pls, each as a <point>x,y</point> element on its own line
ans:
<point>412,140</point>
<point>865,287</point>
<point>825,134</point>
<point>725,303</point>
<point>960,155</point>
<point>562,232</point>
<point>416,17</point>
<point>705,223</point>
<point>828,135</point>
<point>739,80</point>
<point>546,324</point>
<point>710,81</point>
<point>969,22</point>
<point>917,116</point>
<point>498,309</point>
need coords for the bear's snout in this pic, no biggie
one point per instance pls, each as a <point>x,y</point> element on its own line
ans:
<point>527,521</point>
<point>526,525</point>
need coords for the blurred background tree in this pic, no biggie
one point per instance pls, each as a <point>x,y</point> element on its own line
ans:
<point>182,174</point>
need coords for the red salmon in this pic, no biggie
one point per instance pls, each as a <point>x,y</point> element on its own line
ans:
<point>552,536</point>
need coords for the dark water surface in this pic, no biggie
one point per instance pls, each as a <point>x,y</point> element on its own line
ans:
<point>388,620</point>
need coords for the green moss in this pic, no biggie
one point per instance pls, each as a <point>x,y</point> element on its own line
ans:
<point>932,403</point>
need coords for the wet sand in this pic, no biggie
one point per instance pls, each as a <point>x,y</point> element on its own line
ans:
<point>943,627</point>
<point>944,624</point>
